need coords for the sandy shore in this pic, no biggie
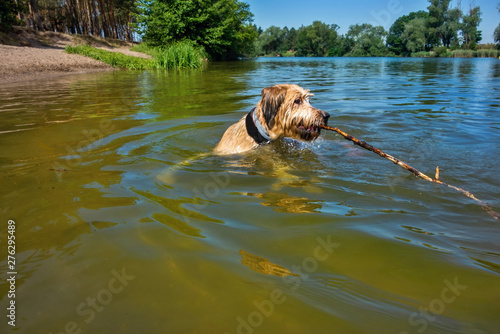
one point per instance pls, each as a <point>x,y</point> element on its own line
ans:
<point>21,63</point>
<point>43,56</point>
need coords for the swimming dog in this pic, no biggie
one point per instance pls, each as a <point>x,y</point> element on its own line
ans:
<point>283,111</point>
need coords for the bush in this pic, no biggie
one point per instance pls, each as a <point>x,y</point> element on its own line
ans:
<point>441,51</point>
<point>422,54</point>
<point>487,46</point>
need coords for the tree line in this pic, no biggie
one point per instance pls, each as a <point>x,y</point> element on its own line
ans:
<point>322,40</point>
<point>224,27</point>
<point>103,18</point>
<point>439,26</point>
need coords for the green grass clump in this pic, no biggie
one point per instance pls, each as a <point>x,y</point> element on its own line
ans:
<point>463,53</point>
<point>423,54</point>
<point>142,47</point>
<point>443,52</point>
<point>114,59</point>
<point>184,54</point>
<point>488,53</point>
<point>177,55</point>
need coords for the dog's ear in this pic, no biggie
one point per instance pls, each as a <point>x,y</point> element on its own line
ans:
<point>272,98</point>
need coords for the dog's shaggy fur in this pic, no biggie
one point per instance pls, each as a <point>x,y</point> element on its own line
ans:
<point>283,111</point>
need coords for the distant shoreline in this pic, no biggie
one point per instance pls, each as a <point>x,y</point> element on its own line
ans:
<point>430,54</point>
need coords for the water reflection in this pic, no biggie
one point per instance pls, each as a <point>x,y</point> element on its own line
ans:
<point>264,266</point>
<point>283,202</point>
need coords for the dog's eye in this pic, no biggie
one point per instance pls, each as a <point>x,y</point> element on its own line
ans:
<point>298,101</point>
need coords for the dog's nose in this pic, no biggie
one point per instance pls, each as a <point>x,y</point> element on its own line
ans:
<point>326,116</point>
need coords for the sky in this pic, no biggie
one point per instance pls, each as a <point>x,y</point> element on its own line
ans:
<point>295,13</point>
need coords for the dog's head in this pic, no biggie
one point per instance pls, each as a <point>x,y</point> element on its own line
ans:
<point>288,113</point>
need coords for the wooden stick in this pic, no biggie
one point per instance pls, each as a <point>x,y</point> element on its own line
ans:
<point>416,172</point>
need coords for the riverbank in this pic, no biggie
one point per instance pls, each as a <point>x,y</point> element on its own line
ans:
<point>26,56</point>
<point>24,63</point>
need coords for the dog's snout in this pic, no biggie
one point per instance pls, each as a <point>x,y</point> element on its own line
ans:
<point>326,116</point>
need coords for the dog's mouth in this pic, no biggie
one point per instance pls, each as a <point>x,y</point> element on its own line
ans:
<point>308,132</point>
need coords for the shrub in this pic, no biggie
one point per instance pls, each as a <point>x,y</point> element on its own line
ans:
<point>441,51</point>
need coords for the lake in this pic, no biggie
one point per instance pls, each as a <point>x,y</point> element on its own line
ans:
<point>125,223</point>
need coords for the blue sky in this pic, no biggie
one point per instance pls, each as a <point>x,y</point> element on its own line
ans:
<point>295,13</point>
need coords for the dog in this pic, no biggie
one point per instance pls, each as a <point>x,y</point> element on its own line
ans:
<point>283,111</point>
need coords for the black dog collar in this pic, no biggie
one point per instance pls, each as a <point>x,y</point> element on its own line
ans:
<point>255,129</point>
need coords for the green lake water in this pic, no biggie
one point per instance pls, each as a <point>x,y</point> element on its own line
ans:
<point>125,223</point>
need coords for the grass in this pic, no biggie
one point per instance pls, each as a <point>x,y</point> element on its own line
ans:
<point>488,53</point>
<point>483,53</point>
<point>423,54</point>
<point>463,53</point>
<point>177,55</point>
<point>114,59</point>
<point>142,47</point>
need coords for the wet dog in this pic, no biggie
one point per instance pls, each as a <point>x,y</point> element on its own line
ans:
<point>283,111</point>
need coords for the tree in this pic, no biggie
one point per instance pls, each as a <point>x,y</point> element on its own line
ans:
<point>8,13</point>
<point>221,26</point>
<point>470,24</point>
<point>36,15</point>
<point>290,41</point>
<point>365,40</point>
<point>496,34</point>
<point>437,17</point>
<point>316,39</point>
<point>394,41</point>
<point>271,40</point>
<point>413,36</point>
<point>103,18</point>
<point>449,30</point>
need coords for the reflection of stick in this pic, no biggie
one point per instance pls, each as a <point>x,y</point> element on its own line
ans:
<point>367,146</point>
<point>167,176</point>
